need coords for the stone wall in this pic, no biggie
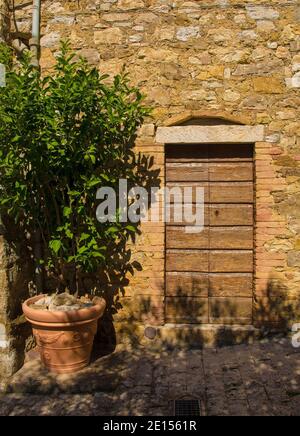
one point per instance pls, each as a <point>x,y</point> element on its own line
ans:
<point>233,56</point>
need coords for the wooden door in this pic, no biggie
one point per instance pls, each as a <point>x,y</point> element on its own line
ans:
<point>209,275</point>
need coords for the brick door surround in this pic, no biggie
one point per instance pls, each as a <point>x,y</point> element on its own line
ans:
<point>222,133</point>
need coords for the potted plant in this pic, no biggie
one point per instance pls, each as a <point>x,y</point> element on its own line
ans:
<point>63,136</point>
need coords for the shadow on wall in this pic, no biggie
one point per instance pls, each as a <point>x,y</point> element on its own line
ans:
<point>276,310</point>
<point>111,283</point>
<point>194,323</point>
<point>206,320</point>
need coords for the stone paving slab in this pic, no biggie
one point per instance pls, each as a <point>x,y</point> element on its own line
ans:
<point>262,379</point>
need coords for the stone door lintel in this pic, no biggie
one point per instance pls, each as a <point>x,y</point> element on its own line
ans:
<point>220,134</point>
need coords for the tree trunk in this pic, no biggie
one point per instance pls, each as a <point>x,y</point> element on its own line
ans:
<point>4,20</point>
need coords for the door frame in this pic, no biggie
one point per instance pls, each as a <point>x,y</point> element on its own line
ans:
<point>216,134</point>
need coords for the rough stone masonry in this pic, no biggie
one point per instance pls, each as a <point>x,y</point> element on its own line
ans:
<point>215,58</point>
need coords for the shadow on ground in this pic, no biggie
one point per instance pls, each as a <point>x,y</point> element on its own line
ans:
<point>258,379</point>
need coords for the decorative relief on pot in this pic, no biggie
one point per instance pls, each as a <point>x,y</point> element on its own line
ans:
<point>46,357</point>
<point>83,336</point>
<point>47,339</point>
<point>64,339</point>
<point>76,337</point>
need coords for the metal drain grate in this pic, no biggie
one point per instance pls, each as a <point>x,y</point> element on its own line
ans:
<point>187,408</point>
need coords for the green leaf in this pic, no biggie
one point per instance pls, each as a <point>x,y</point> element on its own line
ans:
<point>94,182</point>
<point>16,139</point>
<point>113,229</point>
<point>69,234</point>
<point>74,193</point>
<point>84,237</point>
<point>67,212</point>
<point>131,228</point>
<point>97,254</point>
<point>83,250</point>
<point>55,245</point>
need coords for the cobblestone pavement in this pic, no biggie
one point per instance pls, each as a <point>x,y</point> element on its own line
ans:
<point>259,379</point>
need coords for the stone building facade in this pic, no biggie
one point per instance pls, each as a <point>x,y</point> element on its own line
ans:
<point>214,64</point>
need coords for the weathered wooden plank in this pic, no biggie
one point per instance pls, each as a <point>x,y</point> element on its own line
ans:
<point>199,172</point>
<point>231,261</point>
<point>230,310</point>
<point>187,172</point>
<point>210,238</point>
<point>215,215</point>
<point>186,284</point>
<point>188,192</point>
<point>187,260</point>
<point>231,238</point>
<point>231,285</point>
<point>230,172</point>
<point>231,192</point>
<point>214,192</point>
<point>231,215</point>
<point>186,310</point>
<point>177,237</point>
<point>176,215</point>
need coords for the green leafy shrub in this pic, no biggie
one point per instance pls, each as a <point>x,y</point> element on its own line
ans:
<point>63,136</point>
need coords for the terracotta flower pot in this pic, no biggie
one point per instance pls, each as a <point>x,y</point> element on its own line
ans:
<point>64,339</point>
